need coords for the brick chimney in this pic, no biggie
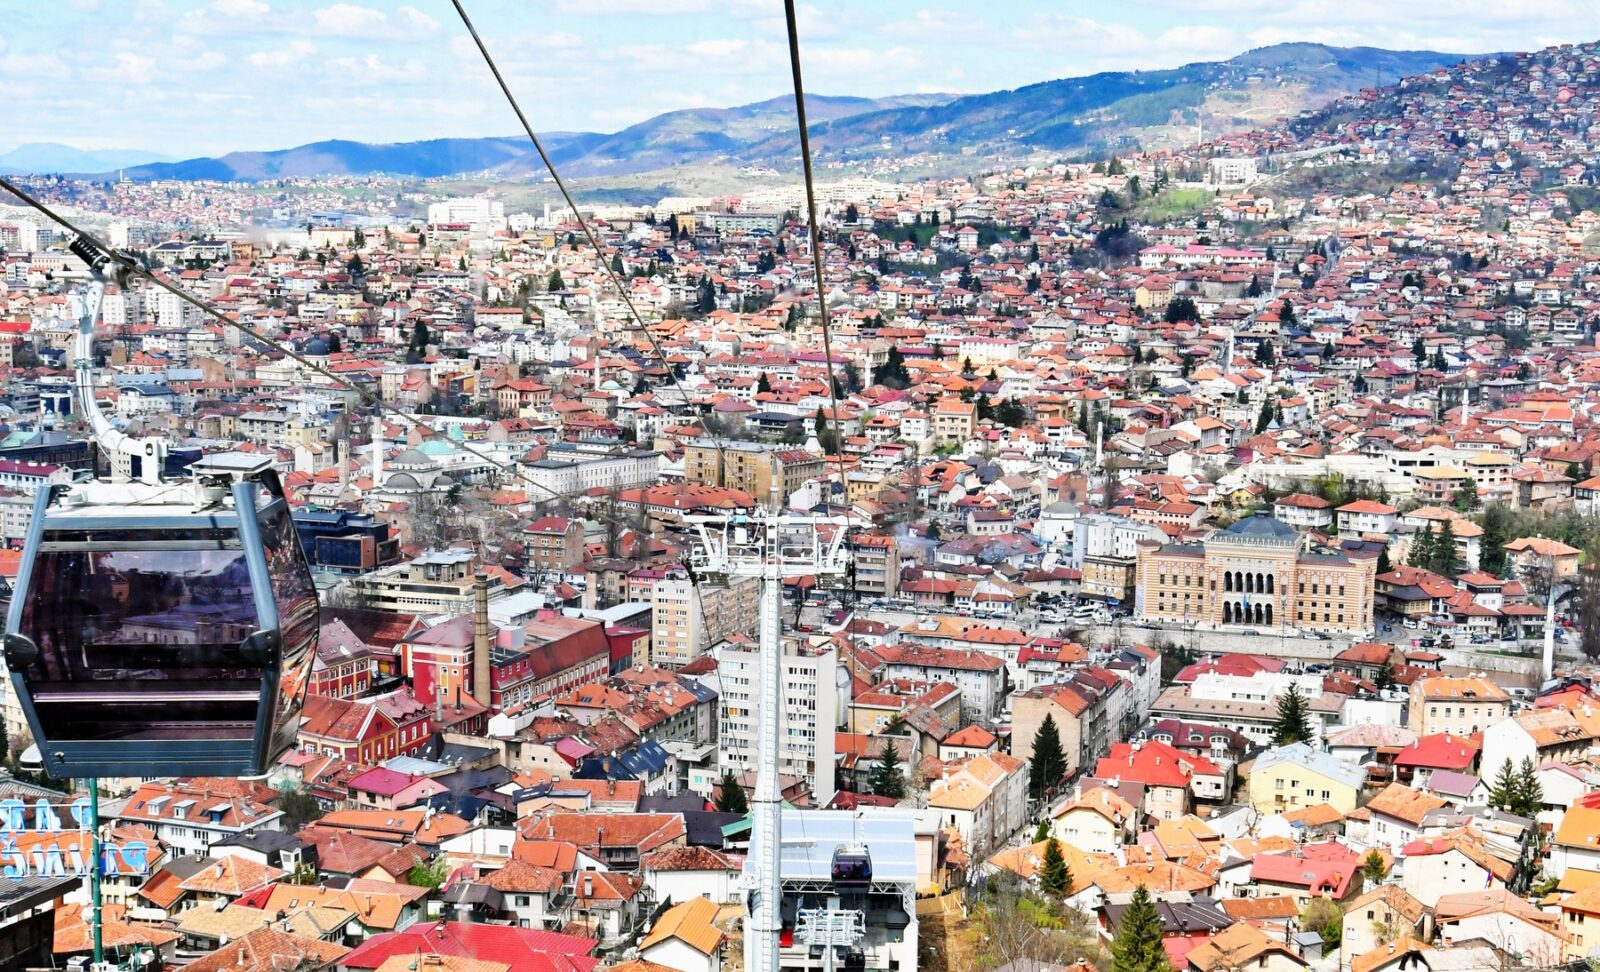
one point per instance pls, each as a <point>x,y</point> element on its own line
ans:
<point>480,639</point>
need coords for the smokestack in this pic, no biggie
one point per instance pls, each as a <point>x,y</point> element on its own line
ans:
<point>377,451</point>
<point>480,639</point>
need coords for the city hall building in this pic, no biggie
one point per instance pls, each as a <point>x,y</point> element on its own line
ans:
<point>1257,573</point>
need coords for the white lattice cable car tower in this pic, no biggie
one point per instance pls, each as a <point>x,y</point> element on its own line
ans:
<point>769,547</point>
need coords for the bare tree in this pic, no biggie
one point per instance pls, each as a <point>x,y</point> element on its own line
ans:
<point>1018,925</point>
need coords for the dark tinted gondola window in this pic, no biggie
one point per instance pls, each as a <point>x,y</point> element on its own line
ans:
<point>296,598</point>
<point>130,639</point>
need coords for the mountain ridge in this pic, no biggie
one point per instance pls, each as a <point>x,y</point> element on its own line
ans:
<point>1111,110</point>
<point>38,156</point>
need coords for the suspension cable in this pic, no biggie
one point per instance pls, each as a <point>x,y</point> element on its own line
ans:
<point>594,242</point>
<point>816,241</point>
<point>205,307</point>
<point>588,231</point>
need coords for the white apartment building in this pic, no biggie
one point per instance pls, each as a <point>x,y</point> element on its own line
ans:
<point>482,215</point>
<point>188,820</point>
<point>123,307</point>
<point>1257,687</point>
<point>168,310</point>
<point>566,472</point>
<point>809,714</point>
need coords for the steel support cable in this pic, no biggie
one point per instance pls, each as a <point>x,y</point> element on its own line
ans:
<point>583,224</point>
<point>594,242</point>
<point>816,240</point>
<point>368,397</point>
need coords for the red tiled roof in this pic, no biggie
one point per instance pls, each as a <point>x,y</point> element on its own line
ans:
<point>523,949</point>
<point>1440,751</point>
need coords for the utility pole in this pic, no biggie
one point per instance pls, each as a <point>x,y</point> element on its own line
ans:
<point>770,547</point>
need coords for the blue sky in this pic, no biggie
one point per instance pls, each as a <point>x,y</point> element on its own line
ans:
<point>190,78</point>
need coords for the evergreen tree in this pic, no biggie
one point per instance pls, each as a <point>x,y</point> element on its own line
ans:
<point>1444,550</point>
<point>1137,946</point>
<point>886,780</point>
<point>892,373</point>
<point>1265,354</point>
<point>1049,760</point>
<point>1384,563</point>
<point>1264,419</point>
<point>1010,413</point>
<point>730,795</point>
<point>418,348</point>
<point>1055,879</point>
<point>763,384</point>
<point>1041,833</point>
<point>1385,677</point>
<point>299,809</point>
<point>555,283</point>
<point>1293,723</point>
<point>1492,546</point>
<point>1503,794</point>
<point>1255,287</point>
<point>1527,793</point>
<point>1181,309</point>
<point>1286,314</point>
<point>1373,867</point>
<point>616,264</point>
<point>1422,549</point>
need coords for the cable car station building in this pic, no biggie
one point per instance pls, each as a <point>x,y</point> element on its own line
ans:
<point>849,885</point>
<point>1258,573</point>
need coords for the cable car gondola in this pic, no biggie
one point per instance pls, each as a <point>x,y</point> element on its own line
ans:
<point>160,628</point>
<point>852,866</point>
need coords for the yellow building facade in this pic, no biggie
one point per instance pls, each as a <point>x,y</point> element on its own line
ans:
<point>1257,573</point>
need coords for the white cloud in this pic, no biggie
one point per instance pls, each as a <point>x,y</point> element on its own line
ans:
<point>135,68</point>
<point>296,52</point>
<point>42,65</point>
<point>414,20</point>
<point>226,17</point>
<point>371,67</point>
<point>720,48</point>
<point>349,20</point>
<point>633,8</point>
